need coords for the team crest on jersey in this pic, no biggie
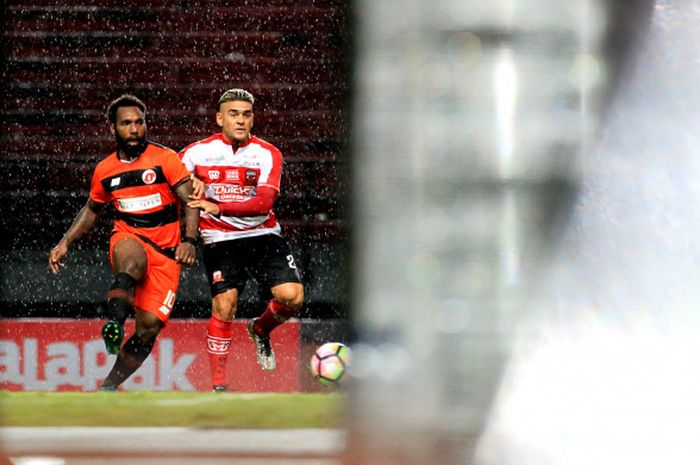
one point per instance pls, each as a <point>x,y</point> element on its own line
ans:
<point>250,175</point>
<point>217,277</point>
<point>149,176</point>
<point>214,174</point>
<point>232,175</point>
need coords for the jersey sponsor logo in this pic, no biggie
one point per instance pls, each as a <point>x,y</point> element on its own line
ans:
<point>228,192</point>
<point>232,175</point>
<point>213,174</point>
<point>149,176</point>
<point>217,277</point>
<point>115,182</point>
<point>138,204</point>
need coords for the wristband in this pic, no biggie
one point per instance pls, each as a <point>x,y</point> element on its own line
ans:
<point>189,240</point>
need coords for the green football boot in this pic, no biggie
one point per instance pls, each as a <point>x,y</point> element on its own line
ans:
<point>112,334</point>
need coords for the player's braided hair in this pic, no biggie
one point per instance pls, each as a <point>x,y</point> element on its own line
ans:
<point>125,100</point>
<point>232,95</point>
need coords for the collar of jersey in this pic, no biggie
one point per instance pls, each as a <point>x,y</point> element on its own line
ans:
<point>223,139</point>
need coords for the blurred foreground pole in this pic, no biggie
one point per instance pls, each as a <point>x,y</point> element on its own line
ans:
<point>469,121</point>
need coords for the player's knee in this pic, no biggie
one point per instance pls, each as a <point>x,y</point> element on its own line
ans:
<point>297,300</point>
<point>148,327</point>
<point>148,333</point>
<point>124,281</point>
<point>290,295</point>
<point>135,267</point>
<point>225,305</point>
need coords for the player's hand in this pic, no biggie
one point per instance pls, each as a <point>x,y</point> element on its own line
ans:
<point>185,253</point>
<point>56,257</point>
<point>198,187</point>
<point>205,205</point>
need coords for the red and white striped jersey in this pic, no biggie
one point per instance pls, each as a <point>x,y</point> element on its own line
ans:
<point>233,175</point>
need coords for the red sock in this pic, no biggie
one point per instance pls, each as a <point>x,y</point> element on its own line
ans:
<point>275,314</point>
<point>218,341</point>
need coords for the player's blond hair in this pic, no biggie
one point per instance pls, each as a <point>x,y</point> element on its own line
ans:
<point>233,95</point>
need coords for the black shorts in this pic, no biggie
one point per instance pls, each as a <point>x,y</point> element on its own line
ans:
<point>267,259</point>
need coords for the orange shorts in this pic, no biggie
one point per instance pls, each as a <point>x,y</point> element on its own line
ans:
<point>155,292</point>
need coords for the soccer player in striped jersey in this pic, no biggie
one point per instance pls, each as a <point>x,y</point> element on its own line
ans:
<point>146,183</point>
<point>242,237</point>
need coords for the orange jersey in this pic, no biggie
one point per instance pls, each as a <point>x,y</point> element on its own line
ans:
<point>141,191</point>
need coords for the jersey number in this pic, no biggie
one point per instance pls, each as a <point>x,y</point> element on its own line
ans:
<point>290,260</point>
<point>168,303</point>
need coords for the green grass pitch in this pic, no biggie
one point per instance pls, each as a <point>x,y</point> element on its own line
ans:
<point>187,409</point>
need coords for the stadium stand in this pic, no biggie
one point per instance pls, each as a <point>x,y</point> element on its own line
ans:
<point>64,63</point>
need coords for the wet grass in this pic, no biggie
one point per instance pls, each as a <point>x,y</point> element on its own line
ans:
<point>187,409</point>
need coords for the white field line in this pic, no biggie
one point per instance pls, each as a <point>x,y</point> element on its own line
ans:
<point>53,440</point>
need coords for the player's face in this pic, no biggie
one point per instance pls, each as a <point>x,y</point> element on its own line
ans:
<point>130,130</point>
<point>236,120</point>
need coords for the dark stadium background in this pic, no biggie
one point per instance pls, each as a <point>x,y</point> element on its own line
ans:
<point>63,62</point>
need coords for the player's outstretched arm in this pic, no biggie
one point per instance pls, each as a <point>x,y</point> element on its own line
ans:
<point>83,222</point>
<point>185,252</point>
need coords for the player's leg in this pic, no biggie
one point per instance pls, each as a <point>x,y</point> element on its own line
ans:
<point>227,280</point>
<point>286,302</point>
<point>219,332</point>
<point>154,300</point>
<point>287,299</point>
<point>135,350</point>
<point>277,271</point>
<point>129,263</point>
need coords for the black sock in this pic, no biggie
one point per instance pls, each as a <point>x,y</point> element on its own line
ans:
<point>138,349</point>
<point>130,358</point>
<point>120,301</point>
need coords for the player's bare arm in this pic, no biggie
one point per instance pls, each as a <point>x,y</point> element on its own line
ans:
<point>83,222</point>
<point>185,252</point>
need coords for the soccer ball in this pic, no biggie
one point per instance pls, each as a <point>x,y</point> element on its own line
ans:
<point>329,362</point>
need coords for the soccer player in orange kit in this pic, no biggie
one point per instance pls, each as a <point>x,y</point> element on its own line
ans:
<point>146,183</point>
